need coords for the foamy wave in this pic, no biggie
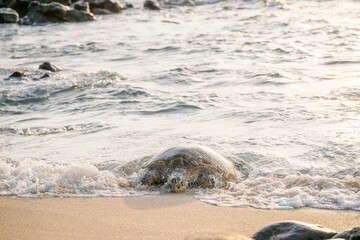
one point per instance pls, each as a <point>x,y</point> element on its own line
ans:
<point>42,131</point>
<point>293,191</point>
<point>36,91</point>
<point>38,178</point>
<point>32,178</point>
<point>36,131</point>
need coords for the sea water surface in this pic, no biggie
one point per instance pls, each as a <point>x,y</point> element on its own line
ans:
<point>272,86</point>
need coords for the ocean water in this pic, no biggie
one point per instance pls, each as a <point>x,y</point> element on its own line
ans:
<point>272,86</point>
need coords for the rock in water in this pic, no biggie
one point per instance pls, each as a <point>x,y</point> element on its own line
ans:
<point>128,5</point>
<point>104,6</point>
<point>353,234</point>
<point>189,166</point>
<point>21,7</point>
<point>63,2</point>
<point>54,12</point>
<point>7,3</point>
<point>29,75</point>
<point>293,231</point>
<point>45,75</point>
<point>152,5</point>
<point>7,15</point>
<point>17,75</point>
<point>81,6</point>
<point>50,67</point>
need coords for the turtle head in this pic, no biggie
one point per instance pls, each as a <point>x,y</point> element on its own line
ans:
<point>177,183</point>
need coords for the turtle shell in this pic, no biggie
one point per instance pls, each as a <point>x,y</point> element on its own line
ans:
<point>192,158</point>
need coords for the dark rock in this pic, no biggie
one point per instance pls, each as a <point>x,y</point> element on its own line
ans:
<point>152,5</point>
<point>100,11</point>
<point>6,3</point>
<point>63,2</point>
<point>17,75</point>
<point>293,231</point>
<point>29,75</point>
<point>54,12</point>
<point>50,67</point>
<point>353,234</point>
<point>21,7</point>
<point>81,6</point>
<point>45,75</point>
<point>7,15</point>
<point>127,6</point>
<point>73,15</point>
<point>111,6</point>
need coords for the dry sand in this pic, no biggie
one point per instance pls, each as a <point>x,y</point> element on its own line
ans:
<point>170,216</point>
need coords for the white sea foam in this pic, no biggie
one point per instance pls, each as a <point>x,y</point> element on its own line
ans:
<point>32,178</point>
<point>35,178</point>
<point>293,191</point>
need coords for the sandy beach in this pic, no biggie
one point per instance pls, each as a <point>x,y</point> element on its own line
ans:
<point>170,216</point>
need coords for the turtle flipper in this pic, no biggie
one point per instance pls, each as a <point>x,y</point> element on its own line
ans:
<point>150,178</point>
<point>208,179</point>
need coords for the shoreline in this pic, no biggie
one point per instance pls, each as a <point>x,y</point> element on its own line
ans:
<point>168,216</point>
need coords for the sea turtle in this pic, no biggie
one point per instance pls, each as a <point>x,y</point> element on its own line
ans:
<point>188,166</point>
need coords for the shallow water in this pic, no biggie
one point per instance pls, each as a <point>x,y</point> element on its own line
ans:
<point>274,87</point>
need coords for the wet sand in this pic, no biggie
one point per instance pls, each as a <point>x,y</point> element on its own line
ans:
<point>170,216</point>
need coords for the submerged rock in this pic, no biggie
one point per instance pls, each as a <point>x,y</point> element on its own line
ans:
<point>28,76</point>
<point>128,5</point>
<point>45,75</point>
<point>50,67</point>
<point>152,5</point>
<point>17,75</point>
<point>293,231</point>
<point>8,15</point>
<point>353,234</point>
<point>54,12</point>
